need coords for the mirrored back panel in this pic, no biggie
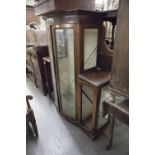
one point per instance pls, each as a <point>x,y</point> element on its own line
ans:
<point>90,47</point>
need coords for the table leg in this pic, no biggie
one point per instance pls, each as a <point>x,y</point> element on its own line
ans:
<point>95,112</point>
<point>111,130</point>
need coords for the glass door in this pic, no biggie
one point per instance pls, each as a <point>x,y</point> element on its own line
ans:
<point>64,55</point>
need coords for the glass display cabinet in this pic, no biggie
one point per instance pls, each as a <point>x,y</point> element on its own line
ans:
<point>81,63</point>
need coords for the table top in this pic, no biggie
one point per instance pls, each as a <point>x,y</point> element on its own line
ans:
<point>121,103</point>
<point>95,77</point>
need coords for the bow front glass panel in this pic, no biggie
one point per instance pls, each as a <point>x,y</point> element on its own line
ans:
<point>65,60</point>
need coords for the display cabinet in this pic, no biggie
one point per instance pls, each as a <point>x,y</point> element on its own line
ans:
<point>82,65</point>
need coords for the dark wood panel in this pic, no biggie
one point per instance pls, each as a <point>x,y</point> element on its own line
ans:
<point>48,73</point>
<point>57,5</point>
<point>74,4</point>
<point>105,62</point>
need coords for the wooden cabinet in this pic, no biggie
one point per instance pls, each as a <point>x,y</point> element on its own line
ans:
<point>75,37</point>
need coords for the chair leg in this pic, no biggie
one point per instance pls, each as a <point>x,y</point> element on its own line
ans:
<point>111,129</point>
<point>34,125</point>
<point>33,122</point>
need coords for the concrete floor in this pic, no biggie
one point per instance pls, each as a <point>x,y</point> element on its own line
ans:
<point>57,136</point>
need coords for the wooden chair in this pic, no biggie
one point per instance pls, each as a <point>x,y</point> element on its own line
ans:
<point>30,118</point>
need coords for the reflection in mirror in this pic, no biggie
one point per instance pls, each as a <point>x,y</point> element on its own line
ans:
<point>65,56</point>
<point>109,34</point>
<point>87,106</point>
<point>90,47</point>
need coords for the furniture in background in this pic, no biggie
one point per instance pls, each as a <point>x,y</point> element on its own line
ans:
<point>37,48</point>
<point>118,102</point>
<point>30,118</point>
<point>30,15</point>
<point>35,66</point>
<point>30,72</point>
<point>118,109</point>
<point>47,68</point>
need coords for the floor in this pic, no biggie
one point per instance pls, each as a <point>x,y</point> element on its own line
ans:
<point>57,136</point>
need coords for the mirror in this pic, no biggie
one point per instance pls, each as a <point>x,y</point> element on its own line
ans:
<point>90,47</point>
<point>109,34</point>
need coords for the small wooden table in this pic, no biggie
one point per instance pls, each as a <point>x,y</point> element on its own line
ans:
<point>47,68</point>
<point>119,110</point>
